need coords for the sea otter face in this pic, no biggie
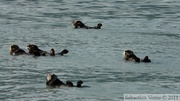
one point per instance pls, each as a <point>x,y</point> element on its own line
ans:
<point>127,54</point>
<point>53,81</point>
<point>51,77</point>
<point>13,48</point>
<point>78,24</point>
<point>32,47</point>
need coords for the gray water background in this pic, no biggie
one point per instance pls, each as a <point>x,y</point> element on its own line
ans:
<point>148,27</point>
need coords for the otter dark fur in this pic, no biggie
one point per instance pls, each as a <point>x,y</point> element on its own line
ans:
<point>15,50</point>
<point>33,49</point>
<point>130,56</point>
<point>53,81</point>
<point>80,24</point>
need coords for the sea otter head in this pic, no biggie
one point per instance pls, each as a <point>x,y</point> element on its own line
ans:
<point>51,78</point>
<point>53,81</point>
<point>99,25</point>
<point>78,24</point>
<point>32,47</point>
<point>127,54</point>
<point>13,48</point>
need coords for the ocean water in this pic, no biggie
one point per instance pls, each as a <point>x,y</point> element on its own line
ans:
<point>148,27</point>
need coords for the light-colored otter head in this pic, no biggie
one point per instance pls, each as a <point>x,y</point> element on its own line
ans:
<point>51,77</point>
<point>78,24</point>
<point>127,53</point>
<point>13,48</point>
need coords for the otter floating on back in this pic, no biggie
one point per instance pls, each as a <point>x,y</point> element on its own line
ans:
<point>128,55</point>
<point>53,81</point>
<point>33,49</point>
<point>79,24</point>
<point>15,50</point>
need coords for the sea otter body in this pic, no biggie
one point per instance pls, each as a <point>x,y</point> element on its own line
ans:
<point>129,55</point>
<point>15,50</point>
<point>53,81</point>
<point>79,24</point>
<point>33,49</point>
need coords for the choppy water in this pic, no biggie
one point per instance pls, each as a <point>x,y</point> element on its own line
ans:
<point>148,27</point>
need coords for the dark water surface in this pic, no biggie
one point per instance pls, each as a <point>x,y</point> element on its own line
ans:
<point>148,27</point>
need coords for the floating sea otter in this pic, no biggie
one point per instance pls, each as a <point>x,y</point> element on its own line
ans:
<point>79,24</point>
<point>53,81</point>
<point>129,55</point>
<point>15,50</point>
<point>33,49</point>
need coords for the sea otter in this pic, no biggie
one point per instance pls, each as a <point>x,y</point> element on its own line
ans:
<point>52,52</point>
<point>129,55</point>
<point>53,81</point>
<point>15,50</point>
<point>79,24</point>
<point>33,49</point>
